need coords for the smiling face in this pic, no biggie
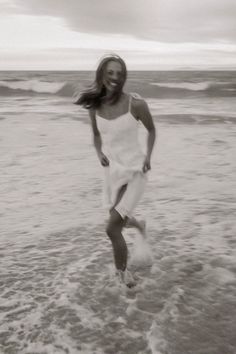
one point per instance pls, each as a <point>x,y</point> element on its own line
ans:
<point>113,77</point>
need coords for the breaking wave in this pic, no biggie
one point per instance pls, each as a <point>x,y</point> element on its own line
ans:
<point>31,87</point>
<point>195,88</point>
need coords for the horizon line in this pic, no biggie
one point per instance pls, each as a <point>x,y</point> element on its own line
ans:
<point>133,70</point>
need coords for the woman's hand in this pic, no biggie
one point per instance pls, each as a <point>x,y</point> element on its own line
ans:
<point>103,159</point>
<point>146,164</point>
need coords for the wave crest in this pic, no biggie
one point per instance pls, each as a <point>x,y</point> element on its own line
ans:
<point>35,87</point>
<point>196,86</point>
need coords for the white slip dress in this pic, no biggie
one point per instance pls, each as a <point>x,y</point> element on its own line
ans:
<point>120,143</point>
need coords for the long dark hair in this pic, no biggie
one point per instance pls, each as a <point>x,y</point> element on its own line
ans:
<point>93,96</point>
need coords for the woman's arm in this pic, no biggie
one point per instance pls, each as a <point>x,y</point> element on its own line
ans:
<point>97,140</point>
<point>141,112</point>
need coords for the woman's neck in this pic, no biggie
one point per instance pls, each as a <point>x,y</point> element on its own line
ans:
<point>108,99</point>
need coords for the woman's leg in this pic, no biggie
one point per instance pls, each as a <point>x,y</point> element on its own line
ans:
<point>129,200</point>
<point>114,229</point>
<point>133,222</point>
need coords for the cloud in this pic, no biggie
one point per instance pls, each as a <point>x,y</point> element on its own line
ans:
<point>157,20</point>
<point>8,7</point>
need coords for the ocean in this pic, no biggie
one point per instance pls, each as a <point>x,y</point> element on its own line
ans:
<point>58,293</point>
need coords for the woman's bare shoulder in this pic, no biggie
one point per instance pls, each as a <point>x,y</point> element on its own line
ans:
<point>135,95</point>
<point>138,103</point>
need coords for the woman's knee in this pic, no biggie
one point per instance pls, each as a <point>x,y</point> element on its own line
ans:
<point>115,224</point>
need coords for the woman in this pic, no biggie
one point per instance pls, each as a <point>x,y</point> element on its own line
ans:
<point>115,117</point>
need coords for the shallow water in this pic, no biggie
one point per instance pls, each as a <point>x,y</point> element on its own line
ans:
<point>60,298</point>
<point>58,293</point>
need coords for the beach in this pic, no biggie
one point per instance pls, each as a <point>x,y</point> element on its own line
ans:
<point>57,288</point>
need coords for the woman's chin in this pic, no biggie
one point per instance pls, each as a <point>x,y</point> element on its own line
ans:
<point>112,89</point>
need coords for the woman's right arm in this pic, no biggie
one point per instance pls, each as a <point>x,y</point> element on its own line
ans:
<point>97,140</point>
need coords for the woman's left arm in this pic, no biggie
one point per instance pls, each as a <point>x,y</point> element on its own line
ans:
<point>142,112</point>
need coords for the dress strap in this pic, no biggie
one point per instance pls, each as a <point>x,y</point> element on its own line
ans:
<point>130,100</point>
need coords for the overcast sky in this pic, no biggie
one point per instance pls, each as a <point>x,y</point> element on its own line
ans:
<point>149,34</point>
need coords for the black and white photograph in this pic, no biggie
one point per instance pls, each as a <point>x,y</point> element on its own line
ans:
<point>117,177</point>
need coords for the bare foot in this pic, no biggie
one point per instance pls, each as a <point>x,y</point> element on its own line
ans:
<point>125,277</point>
